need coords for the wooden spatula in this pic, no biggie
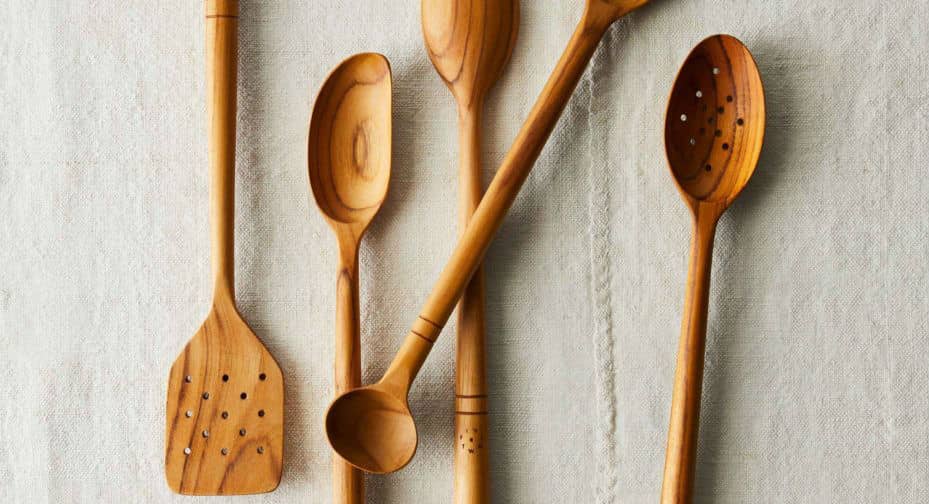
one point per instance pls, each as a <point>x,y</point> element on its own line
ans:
<point>225,407</point>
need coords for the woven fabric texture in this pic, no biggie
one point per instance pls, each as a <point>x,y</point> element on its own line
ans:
<point>816,385</point>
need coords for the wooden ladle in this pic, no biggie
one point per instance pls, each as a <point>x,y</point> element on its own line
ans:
<point>372,427</point>
<point>714,130</point>
<point>469,43</point>
<point>349,150</point>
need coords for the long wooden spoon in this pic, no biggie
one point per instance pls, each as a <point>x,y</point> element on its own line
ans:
<point>372,427</point>
<point>225,407</point>
<point>349,164</point>
<point>714,130</point>
<point>469,43</point>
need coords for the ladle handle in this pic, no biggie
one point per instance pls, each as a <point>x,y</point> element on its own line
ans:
<point>499,197</point>
<point>681,454</point>
<point>222,23</point>
<point>347,481</point>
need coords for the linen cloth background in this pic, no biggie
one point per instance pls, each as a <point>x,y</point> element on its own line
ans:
<point>817,374</point>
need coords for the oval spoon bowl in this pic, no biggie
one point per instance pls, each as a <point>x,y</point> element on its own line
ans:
<point>715,121</point>
<point>347,130</point>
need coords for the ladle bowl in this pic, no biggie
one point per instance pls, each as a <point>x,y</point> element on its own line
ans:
<point>373,429</point>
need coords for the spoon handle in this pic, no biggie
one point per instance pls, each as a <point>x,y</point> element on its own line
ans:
<point>471,462</point>
<point>347,481</point>
<point>222,24</point>
<point>681,454</point>
<point>497,200</point>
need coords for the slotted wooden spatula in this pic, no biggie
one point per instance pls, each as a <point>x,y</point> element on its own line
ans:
<point>225,407</point>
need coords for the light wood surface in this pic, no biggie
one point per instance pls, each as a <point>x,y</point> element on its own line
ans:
<point>469,43</point>
<point>225,403</point>
<point>714,131</point>
<point>372,427</point>
<point>349,155</point>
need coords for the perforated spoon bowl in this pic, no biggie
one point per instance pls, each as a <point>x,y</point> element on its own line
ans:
<point>714,130</point>
<point>372,427</point>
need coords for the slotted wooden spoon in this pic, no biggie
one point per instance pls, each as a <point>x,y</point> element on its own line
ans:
<point>225,404</point>
<point>714,130</point>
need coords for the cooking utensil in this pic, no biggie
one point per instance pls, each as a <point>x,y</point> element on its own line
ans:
<point>469,43</point>
<point>714,130</point>
<point>225,403</point>
<point>349,165</point>
<point>372,427</point>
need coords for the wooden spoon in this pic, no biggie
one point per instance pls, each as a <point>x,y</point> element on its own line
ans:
<point>469,43</point>
<point>225,406</point>
<point>349,164</point>
<point>714,130</point>
<point>372,427</point>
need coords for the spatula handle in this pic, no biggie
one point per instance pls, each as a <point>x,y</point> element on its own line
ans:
<point>221,58</point>
<point>681,453</point>
<point>499,197</point>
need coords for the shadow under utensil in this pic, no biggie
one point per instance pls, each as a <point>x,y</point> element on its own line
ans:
<point>383,325</point>
<point>256,243</point>
<point>515,247</point>
<point>736,251</point>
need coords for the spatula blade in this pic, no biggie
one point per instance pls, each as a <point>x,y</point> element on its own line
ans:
<point>225,412</point>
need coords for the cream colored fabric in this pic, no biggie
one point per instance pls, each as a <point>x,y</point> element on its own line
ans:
<point>817,383</point>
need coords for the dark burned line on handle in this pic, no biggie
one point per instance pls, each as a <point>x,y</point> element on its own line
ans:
<point>228,16</point>
<point>431,341</point>
<point>424,319</point>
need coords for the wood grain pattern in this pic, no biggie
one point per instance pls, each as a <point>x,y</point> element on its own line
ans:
<point>714,131</point>
<point>469,43</point>
<point>372,427</point>
<point>348,152</point>
<point>225,401</point>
